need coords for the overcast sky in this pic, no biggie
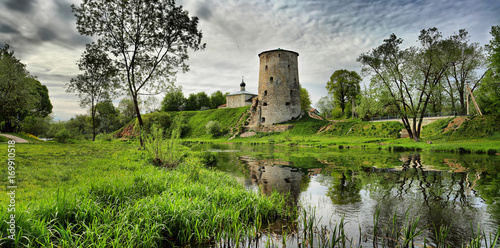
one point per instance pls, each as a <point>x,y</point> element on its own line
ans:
<point>328,35</point>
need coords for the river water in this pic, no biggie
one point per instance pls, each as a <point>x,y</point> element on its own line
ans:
<point>453,190</point>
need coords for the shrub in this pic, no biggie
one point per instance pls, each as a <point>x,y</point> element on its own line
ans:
<point>104,136</point>
<point>62,136</point>
<point>161,119</point>
<point>337,113</point>
<point>163,152</point>
<point>214,128</point>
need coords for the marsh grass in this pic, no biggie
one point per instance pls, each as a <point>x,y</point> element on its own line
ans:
<point>166,152</point>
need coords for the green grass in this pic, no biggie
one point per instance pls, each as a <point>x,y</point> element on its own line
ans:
<point>196,120</point>
<point>108,194</point>
<point>480,134</point>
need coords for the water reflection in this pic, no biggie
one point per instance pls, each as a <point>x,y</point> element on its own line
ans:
<point>439,189</point>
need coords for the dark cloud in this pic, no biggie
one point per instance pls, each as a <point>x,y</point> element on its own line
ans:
<point>203,12</point>
<point>46,34</point>
<point>24,6</point>
<point>6,29</point>
<point>65,11</point>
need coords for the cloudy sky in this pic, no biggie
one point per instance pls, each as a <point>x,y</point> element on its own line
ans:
<point>328,35</point>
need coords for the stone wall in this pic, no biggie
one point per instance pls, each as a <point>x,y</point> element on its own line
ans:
<point>268,129</point>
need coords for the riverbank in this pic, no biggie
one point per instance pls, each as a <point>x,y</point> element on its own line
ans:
<point>479,135</point>
<point>473,134</point>
<point>107,194</point>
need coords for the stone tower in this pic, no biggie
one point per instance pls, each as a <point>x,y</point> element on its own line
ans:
<point>279,93</point>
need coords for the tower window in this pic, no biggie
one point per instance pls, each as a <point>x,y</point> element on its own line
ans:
<point>262,120</point>
<point>287,104</point>
<point>264,104</point>
<point>265,92</point>
<point>266,67</point>
<point>271,79</point>
<point>279,54</point>
<point>288,66</point>
<point>294,79</point>
<point>291,92</point>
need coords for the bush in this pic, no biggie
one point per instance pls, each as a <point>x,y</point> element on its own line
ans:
<point>163,152</point>
<point>214,128</point>
<point>104,136</point>
<point>161,119</point>
<point>62,136</point>
<point>337,113</point>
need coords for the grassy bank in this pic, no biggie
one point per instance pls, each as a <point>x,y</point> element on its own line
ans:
<point>479,134</point>
<point>108,194</point>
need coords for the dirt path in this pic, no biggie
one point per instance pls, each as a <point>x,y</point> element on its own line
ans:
<point>15,138</point>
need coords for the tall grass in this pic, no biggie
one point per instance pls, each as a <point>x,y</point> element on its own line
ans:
<point>162,151</point>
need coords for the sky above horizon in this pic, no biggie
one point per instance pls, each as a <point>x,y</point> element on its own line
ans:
<point>328,35</point>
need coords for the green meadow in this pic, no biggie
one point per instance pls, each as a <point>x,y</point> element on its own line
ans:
<point>108,194</point>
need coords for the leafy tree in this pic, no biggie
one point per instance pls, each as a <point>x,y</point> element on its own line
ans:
<point>217,99</point>
<point>21,95</point>
<point>466,58</point>
<point>305,99</point>
<point>203,101</point>
<point>344,86</point>
<point>174,100</point>
<point>97,83</point>
<point>44,107</point>
<point>192,102</point>
<point>325,106</point>
<point>488,93</point>
<point>148,40</point>
<point>107,117</point>
<point>78,126</point>
<point>126,108</point>
<point>409,76</point>
<point>370,104</point>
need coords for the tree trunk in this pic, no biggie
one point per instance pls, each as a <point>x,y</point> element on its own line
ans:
<point>138,113</point>
<point>93,123</point>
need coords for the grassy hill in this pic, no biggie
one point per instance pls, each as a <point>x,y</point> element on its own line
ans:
<point>479,134</point>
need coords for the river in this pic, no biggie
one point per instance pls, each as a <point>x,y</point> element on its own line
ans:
<point>458,191</point>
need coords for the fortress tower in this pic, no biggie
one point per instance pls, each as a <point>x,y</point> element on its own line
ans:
<point>279,93</point>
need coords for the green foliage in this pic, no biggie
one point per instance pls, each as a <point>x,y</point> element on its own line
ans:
<point>161,151</point>
<point>488,93</point>
<point>389,129</point>
<point>197,120</point>
<point>107,117</point>
<point>174,100</point>
<point>39,126</point>
<point>161,119</point>
<point>152,61</point>
<point>62,136</point>
<point>305,99</point>
<point>22,94</point>
<point>337,113</point>
<point>325,106</point>
<point>214,128</point>
<point>217,99</point>
<point>344,87</point>
<point>106,195</point>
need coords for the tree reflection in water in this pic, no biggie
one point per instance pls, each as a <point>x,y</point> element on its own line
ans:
<point>441,189</point>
